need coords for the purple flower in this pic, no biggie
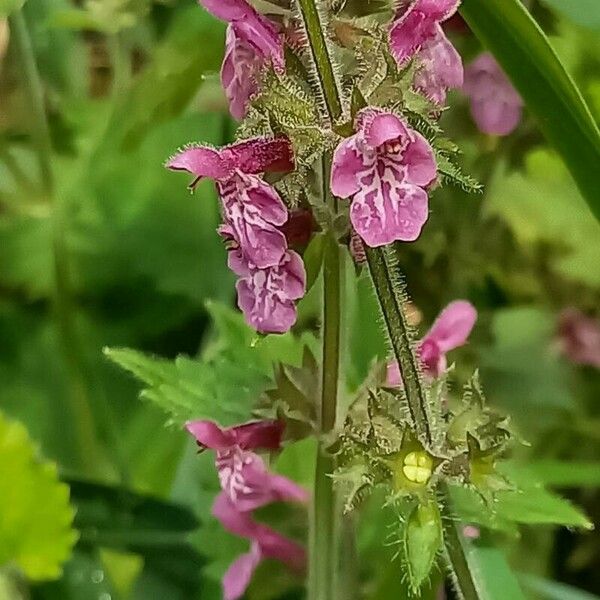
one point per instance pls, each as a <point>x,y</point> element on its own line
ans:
<point>243,474</point>
<point>449,331</point>
<point>252,41</point>
<point>252,209</point>
<point>247,485</point>
<point>579,337</point>
<point>495,104</point>
<point>266,296</point>
<point>384,168</point>
<point>265,543</point>
<point>418,34</point>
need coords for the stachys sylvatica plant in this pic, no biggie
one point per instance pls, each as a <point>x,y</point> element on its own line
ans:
<point>339,154</point>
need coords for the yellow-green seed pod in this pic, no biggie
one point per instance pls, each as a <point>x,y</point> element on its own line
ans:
<point>422,541</point>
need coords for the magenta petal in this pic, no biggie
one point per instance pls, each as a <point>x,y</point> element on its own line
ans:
<point>210,435</point>
<point>238,576</point>
<point>228,10</point>
<point>579,337</point>
<point>439,10</point>
<point>287,490</point>
<point>259,434</point>
<point>379,127</point>
<point>453,326</point>
<point>202,162</point>
<point>384,214</point>
<point>496,117</point>
<point>232,519</point>
<point>261,155</point>
<point>408,34</point>
<point>432,358</point>
<point>421,166</point>
<point>276,546</point>
<point>347,163</point>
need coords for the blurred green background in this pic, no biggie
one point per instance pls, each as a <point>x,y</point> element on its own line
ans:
<point>101,246</point>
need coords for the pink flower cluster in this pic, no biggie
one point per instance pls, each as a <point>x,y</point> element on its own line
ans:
<point>417,34</point>
<point>495,104</point>
<point>384,168</point>
<point>247,485</point>
<point>449,331</point>
<point>579,337</point>
<point>252,42</point>
<point>271,277</point>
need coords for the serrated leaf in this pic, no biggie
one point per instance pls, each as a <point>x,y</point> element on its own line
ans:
<point>226,383</point>
<point>36,533</point>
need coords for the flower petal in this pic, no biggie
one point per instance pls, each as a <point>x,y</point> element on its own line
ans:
<point>238,576</point>
<point>233,520</point>
<point>287,490</point>
<point>419,159</point>
<point>378,127</point>
<point>210,435</point>
<point>388,210</point>
<point>259,434</point>
<point>253,211</point>
<point>262,155</point>
<point>201,162</point>
<point>347,164</point>
<point>453,326</point>
<point>278,547</point>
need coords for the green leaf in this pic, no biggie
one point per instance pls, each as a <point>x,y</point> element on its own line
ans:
<point>36,533</point>
<point>545,589</point>
<point>521,199</point>
<point>566,474</point>
<point>225,385</point>
<point>9,6</point>
<point>522,49</point>
<point>582,12</point>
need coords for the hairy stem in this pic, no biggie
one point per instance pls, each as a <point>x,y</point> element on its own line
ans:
<point>391,293</point>
<point>325,71</point>
<point>86,442</point>
<point>324,534</point>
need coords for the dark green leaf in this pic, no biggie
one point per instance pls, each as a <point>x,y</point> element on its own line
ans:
<point>522,49</point>
<point>582,12</point>
<point>552,590</point>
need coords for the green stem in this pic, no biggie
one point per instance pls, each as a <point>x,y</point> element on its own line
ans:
<point>391,293</point>
<point>87,445</point>
<point>325,71</point>
<point>324,534</point>
<point>455,555</point>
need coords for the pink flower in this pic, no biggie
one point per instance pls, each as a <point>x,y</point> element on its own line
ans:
<point>449,331</point>
<point>266,296</point>
<point>265,543</point>
<point>579,336</point>
<point>252,41</point>
<point>418,34</point>
<point>243,474</point>
<point>495,104</point>
<point>247,485</point>
<point>252,209</point>
<point>384,168</point>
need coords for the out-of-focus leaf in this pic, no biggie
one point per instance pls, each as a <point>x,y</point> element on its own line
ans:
<point>522,49</point>
<point>9,6</point>
<point>582,12</point>
<point>546,589</point>
<point>566,474</point>
<point>522,372</point>
<point>226,384</point>
<point>542,205</point>
<point>36,533</point>
<point>84,578</point>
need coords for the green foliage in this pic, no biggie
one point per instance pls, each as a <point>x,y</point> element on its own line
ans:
<point>542,206</point>
<point>9,6</point>
<point>36,534</point>
<point>224,386</point>
<point>553,590</point>
<point>582,12</point>
<point>522,49</point>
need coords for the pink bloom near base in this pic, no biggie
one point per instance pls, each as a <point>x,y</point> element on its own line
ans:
<point>246,486</point>
<point>384,169</point>
<point>449,331</point>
